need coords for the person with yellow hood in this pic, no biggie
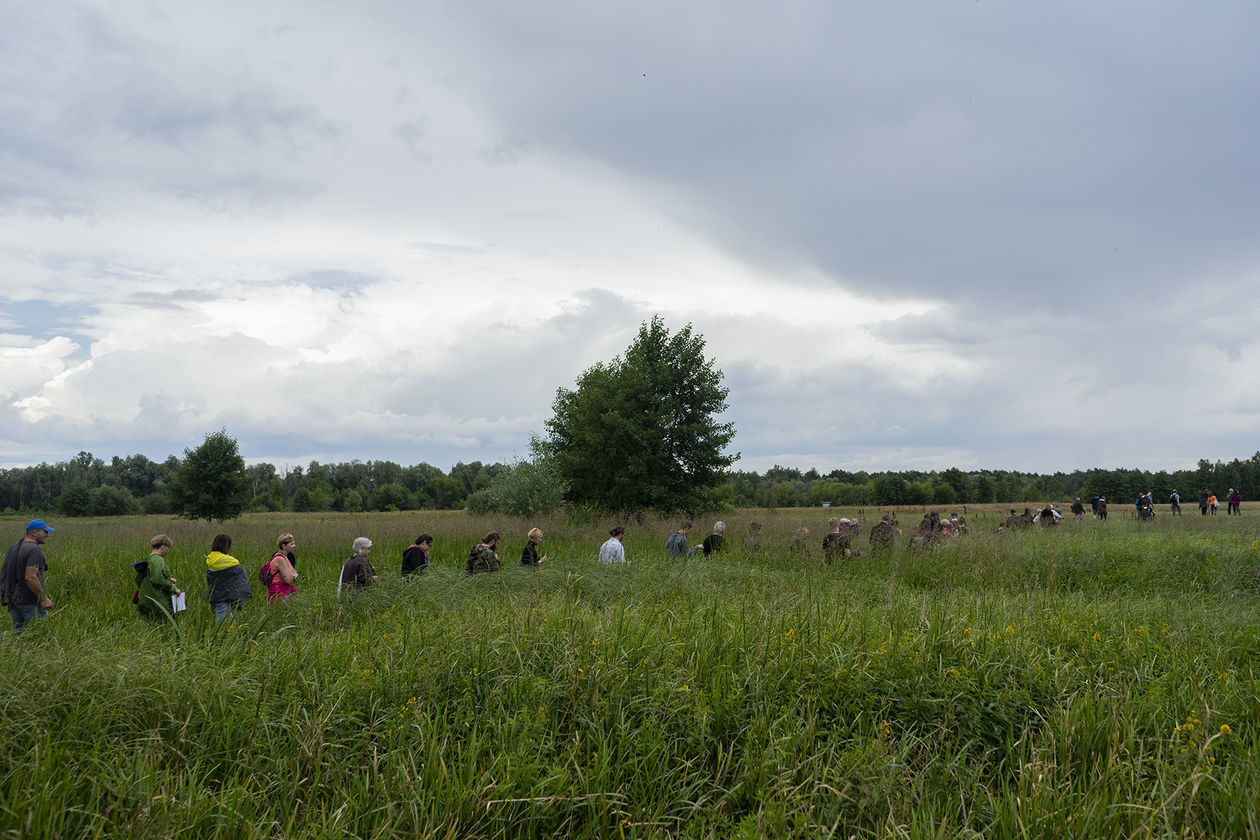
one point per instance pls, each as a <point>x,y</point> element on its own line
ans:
<point>226,578</point>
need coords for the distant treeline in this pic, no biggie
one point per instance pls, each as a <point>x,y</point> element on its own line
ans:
<point>88,486</point>
<point>786,487</point>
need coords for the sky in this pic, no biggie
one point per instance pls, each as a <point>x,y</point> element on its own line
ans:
<point>913,235</point>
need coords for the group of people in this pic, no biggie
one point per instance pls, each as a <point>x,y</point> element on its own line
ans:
<point>933,528</point>
<point>1208,503</point>
<point>228,587</point>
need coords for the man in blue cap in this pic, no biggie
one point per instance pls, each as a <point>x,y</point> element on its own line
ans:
<point>22,576</point>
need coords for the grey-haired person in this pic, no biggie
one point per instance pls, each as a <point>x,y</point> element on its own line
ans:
<point>357,572</point>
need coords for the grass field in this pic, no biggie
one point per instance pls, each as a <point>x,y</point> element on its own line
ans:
<point>1094,680</point>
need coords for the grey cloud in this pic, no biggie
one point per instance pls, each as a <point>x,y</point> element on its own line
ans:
<point>175,298</point>
<point>975,147</point>
<point>98,98</point>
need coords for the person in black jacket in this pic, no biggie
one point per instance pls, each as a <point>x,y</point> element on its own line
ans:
<point>529,554</point>
<point>714,542</point>
<point>226,579</point>
<point>416,555</point>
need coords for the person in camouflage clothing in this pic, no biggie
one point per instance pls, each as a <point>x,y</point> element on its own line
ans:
<point>883,534</point>
<point>483,557</point>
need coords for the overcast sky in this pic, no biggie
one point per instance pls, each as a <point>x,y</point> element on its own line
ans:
<point>914,235</point>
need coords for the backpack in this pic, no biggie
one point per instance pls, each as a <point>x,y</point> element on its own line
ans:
<point>142,571</point>
<point>265,574</point>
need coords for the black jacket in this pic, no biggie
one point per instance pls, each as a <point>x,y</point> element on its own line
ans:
<point>230,585</point>
<point>415,559</point>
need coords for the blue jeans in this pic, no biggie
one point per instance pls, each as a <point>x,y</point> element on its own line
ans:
<point>24,614</point>
<point>222,608</point>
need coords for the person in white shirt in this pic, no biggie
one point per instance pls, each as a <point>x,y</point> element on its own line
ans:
<point>613,551</point>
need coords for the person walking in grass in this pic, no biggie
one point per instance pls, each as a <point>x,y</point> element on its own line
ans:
<point>752,540</point>
<point>529,554</point>
<point>612,551</point>
<point>155,585</point>
<point>357,572</point>
<point>677,544</point>
<point>883,534</point>
<point>1078,509</point>
<point>1174,503</point>
<point>715,541</point>
<point>1203,502</point>
<point>416,556</point>
<point>800,542</point>
<point>22,576</point>
<point>282,582</point>
<point>483,557</point>
<point>835,545</point>
<point>226,580</point>
<point>1235,502</point>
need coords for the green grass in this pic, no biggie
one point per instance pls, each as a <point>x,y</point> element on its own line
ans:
<point>1065,683</point>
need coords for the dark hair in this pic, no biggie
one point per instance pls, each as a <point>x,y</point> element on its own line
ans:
<point>492,537</point>
<point>616,532</point>
<point>424,538</point>
<point>222,543</point>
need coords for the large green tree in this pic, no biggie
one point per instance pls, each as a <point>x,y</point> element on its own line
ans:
<point>642,431</point>
<point>212,482</point>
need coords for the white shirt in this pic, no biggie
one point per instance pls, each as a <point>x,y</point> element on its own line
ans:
<point>612,552</point>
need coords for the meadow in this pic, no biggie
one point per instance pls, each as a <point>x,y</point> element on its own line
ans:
<point>1093,680</point>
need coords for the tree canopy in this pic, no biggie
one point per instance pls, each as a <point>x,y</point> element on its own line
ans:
<point>642,431</point>
<point>212,483</point>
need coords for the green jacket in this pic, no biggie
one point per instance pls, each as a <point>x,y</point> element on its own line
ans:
<point>156,589</point>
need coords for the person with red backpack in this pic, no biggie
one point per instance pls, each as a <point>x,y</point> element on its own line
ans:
<point>278,573</point>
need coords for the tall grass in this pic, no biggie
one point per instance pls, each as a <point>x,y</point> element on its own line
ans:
<point>1095,680</point>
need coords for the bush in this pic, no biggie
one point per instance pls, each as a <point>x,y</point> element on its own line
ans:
<point>75,500</point>
<point>156,503</point>
<point>112,501</point>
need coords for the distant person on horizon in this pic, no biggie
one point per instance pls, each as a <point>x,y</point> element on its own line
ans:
<point>1078,509</point>
<point>1203,502</point>
<point>1102,507</point>
<point>1213,504</point>
<point>1235,502</point>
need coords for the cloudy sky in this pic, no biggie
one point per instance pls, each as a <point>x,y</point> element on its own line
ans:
<point>913,235</point>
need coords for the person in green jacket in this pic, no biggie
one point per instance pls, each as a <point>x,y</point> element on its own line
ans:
<point>155,582</point>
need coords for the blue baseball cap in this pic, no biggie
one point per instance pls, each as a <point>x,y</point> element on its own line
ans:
<point>38,524</point>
